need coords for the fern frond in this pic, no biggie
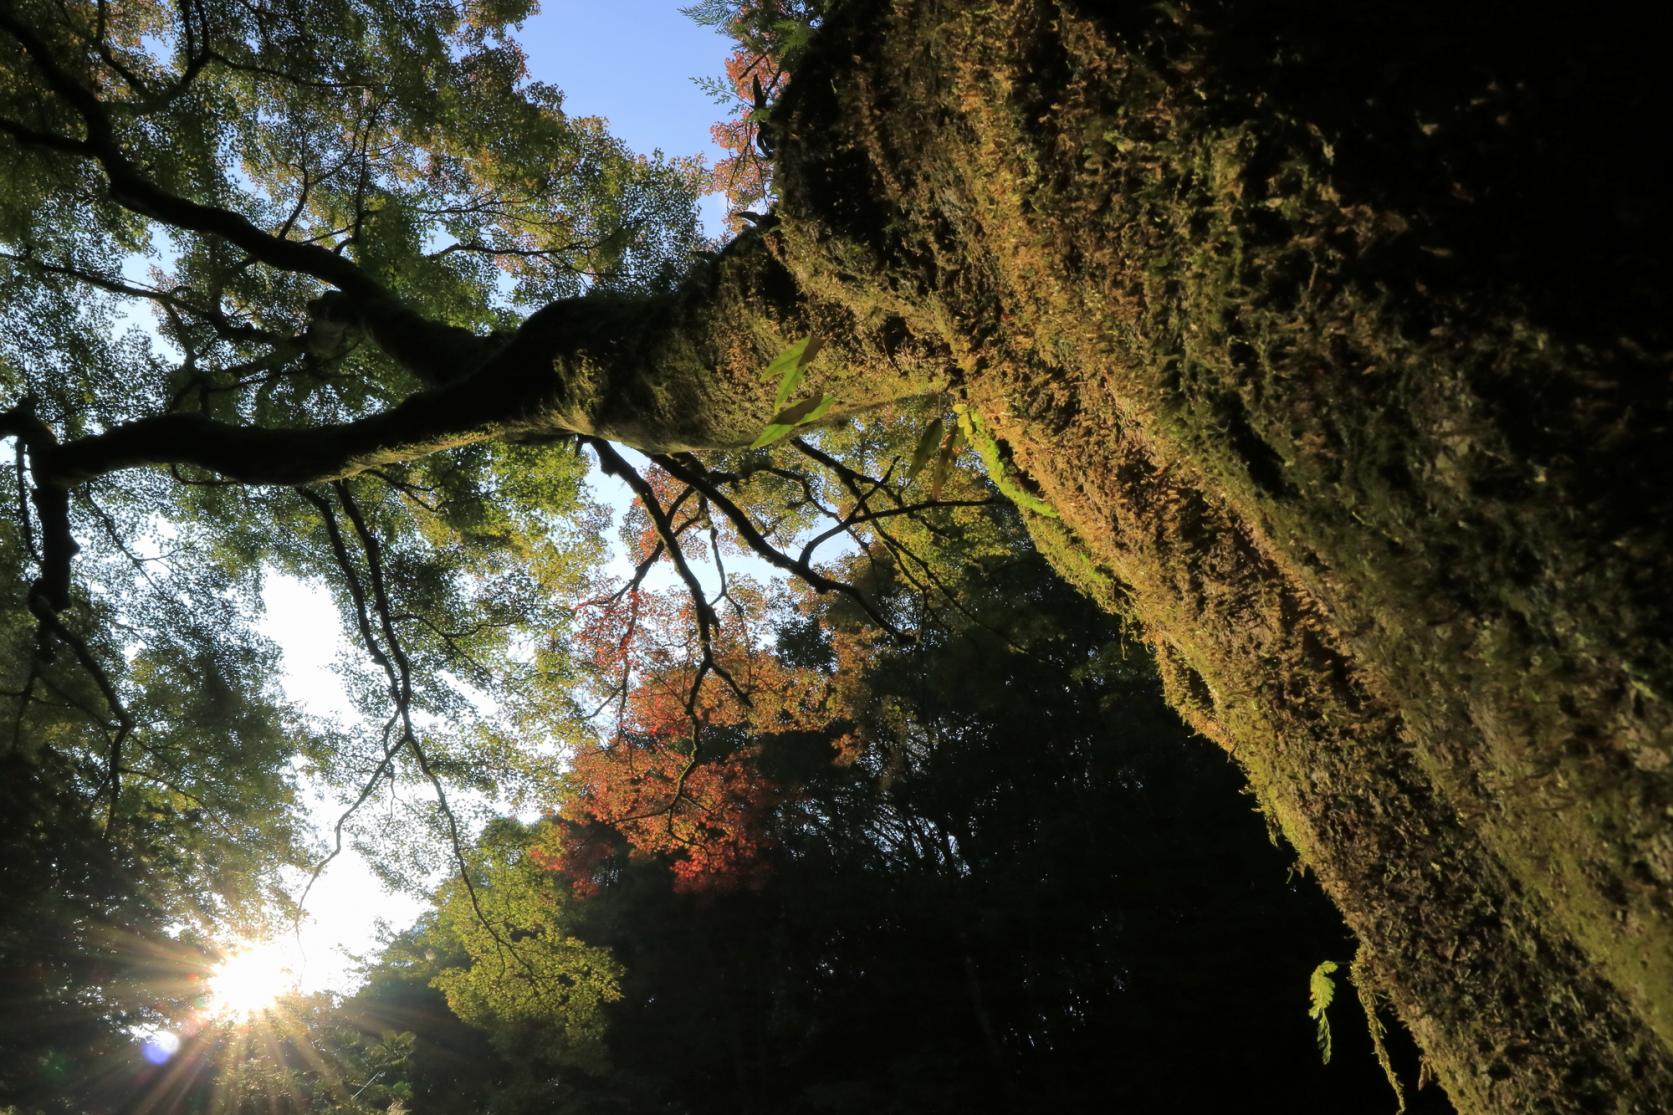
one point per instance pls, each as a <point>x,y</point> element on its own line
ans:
<point>1323,993</point>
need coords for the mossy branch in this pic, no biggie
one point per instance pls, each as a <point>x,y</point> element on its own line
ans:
<point>1004,475</point>
<point>1367,992</point>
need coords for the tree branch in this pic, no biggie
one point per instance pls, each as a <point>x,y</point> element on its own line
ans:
<point>693,473</point>
<point>407,336</point>
<point>52,623</point>
<point>398,671</point>
<point>484,407</point>
<point>615,464</point>
<point>224,326</point>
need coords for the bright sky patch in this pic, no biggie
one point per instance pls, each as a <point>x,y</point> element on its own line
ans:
<point>249,981</point>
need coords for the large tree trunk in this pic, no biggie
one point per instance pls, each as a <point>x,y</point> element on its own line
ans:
<point>1337,343</point>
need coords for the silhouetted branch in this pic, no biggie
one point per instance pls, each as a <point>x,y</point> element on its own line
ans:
<point>429,349</point>
<point>52,623</point>
<point>692,473</point>
<point>397,670</point>
<point>616,465</point>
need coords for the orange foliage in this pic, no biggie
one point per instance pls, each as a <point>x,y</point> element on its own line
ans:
<point>677,503</point>
<point>679,777</point>
<point>743,175</point>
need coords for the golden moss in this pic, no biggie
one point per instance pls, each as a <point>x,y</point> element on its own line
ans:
<point>1287,387</point>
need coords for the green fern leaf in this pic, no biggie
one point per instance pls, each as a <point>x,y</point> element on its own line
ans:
<point>1323,992</point>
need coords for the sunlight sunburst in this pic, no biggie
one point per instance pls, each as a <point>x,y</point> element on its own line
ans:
<point>249,980</point>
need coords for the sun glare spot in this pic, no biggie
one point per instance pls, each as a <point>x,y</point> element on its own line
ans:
<point>160,1046</point>
<point>249,980</point>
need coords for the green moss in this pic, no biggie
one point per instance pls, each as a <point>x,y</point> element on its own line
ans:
<point>1070,557</point>
<point>1010,482</point>
<point>1297,377</point>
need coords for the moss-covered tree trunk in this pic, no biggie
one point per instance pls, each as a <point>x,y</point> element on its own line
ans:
<point>1338,342</point>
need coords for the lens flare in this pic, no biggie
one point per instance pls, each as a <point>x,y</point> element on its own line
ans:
<point>249,980</point>
<point>160,1046</point>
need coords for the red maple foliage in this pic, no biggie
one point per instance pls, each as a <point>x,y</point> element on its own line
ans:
<point>756,75</point>
<point>679,777</point>
<point>742,175</point>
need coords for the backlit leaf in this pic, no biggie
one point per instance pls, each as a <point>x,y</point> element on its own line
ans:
<point>787,387</point>
<point>771,434</point>
<point>927,444</point>
<point>793,358</point>
<point>1322,990</point>
<point>808,410</point>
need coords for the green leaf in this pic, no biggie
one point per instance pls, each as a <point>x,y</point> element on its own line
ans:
<point>813,346</point>
<point>787,360</point>
<point>928,442</point>
<point>810,409</point>
<point>1322,992</point>
<point>787,387</point>
<point>790,366</point>
<point>943,466</point>
<point>771,434</point>
<point>798,356</point>
<point>950,449</point>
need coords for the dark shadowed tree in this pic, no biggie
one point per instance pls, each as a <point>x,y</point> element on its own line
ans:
<point>993,873</point>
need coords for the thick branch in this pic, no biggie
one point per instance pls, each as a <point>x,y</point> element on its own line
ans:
<point>479,409</point>
<point>131,188</point>
<point>664,374</point>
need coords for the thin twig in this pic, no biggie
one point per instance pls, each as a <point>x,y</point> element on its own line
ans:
<point>771,554</point>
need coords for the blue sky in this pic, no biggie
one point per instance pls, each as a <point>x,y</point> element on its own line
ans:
<point>632,62</point>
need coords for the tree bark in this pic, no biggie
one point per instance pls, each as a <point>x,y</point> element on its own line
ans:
<point>665,374</point>
<point>1255,300</point>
